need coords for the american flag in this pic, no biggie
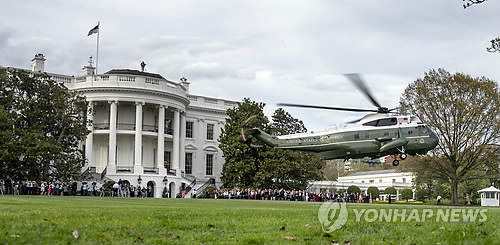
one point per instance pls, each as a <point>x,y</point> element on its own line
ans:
<point>94,30</point>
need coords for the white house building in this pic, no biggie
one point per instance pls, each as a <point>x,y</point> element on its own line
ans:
<point>364,179</point>
<point>148,130</point>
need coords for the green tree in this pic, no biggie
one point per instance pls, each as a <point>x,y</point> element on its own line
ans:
<point>374,191</point>
<point>283,123</point>
<point>49,122</point>
<point>353,189</point>
<point>287,169</point>
<point>264,167</point>
<point>390,190</point>
<point>464,113</point>
<point>421,194</point>
<point>241,161</point>
<point>406,194</point>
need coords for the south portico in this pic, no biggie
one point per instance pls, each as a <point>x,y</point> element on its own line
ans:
<point>134,133</point>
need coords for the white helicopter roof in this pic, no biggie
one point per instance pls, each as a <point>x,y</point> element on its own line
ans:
<point>401,119</point>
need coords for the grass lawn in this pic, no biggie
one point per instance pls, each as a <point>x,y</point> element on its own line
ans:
<point>52,220</point>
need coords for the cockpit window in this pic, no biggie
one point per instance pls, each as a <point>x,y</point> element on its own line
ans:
<point>423,130</point>
<point>382,122</point>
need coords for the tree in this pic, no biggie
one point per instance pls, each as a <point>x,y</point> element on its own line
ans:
<point>264,167</point>
<point>390,190</point>
<point>353,189</point>
<point>406,194</point>
<point>464,113</point>
<point>374,191</point>
<point>46,123</point>
<point>287,169</point>
<point>421,194</point>
<point>241,161</point>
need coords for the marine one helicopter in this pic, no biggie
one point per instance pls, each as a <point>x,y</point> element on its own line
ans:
<point>374,135</point>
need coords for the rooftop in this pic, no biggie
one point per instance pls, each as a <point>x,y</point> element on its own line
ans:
<point>135,73</point>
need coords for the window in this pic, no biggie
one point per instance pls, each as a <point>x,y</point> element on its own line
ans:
<point>404,180</point>
<point>410,132</point>
<point>387,122</point>
<point>367,136</point>
<point>356,137</point>
<point>372,181</point>
<point>382,122</point>
<point>189,130</point>
<point>166,160</point>
<point>209,164</point>
<point>380,181</point>
<point>372,123</point>
<point>210,131</point>
<point>423,130</point>
<point>386,133</point>
<point>393,180</point>
<point>188,166</point>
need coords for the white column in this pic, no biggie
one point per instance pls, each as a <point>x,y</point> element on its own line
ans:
<point>112,137</point>
<point>161,141</point>
<point>182,139</point>
<point>138,169</point>
<point>89,142</point>
<point>175,147</point>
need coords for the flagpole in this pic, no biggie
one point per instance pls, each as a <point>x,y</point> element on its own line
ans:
<point>97,57</point>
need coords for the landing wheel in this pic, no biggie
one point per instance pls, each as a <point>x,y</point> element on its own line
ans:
<point>395,163</point>
<point>403,156</point>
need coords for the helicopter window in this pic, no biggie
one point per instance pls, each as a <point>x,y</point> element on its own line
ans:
<point>386,133</point>
<point>382,122</point>
<point>410,132</point>
<point>372,123</point>
<point>356,137</point>
<point>387,122</point>
<point>423,130</point>
<point>367,136</point>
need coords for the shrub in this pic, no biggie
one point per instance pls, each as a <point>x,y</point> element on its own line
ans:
<point>421,194</point>
<point>407,194</point>
<point>353,189</point>
<point>390,190</point>
<point>374,191</point>
<point>210,190</point>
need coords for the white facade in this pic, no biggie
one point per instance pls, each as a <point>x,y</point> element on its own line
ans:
<point>378,178</point>
<point>148,129</point>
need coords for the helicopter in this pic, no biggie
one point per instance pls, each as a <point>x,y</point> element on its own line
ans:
<point>375,135</point>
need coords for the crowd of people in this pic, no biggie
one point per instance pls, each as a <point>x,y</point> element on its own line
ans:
<point>124,189</point>
<point>290,195</point>
<point>9,186</point>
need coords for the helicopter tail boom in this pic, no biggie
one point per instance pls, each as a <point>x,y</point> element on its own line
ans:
<point>264,137</point>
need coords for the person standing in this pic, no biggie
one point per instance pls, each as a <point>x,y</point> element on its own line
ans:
<point>438,199</point>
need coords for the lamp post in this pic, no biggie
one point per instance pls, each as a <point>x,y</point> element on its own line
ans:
<point>139,180</point>
<point>495,45</point>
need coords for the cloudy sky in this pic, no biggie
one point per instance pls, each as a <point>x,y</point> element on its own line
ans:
<point>270,51</point>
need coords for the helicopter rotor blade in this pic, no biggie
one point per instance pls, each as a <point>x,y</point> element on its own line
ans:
<point>327,107</point>
<point>358,81</point>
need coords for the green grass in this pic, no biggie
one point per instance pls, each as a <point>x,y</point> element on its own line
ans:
<point>52,220</point>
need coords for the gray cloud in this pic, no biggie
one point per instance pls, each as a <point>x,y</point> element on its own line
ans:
<point>271,51</point>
